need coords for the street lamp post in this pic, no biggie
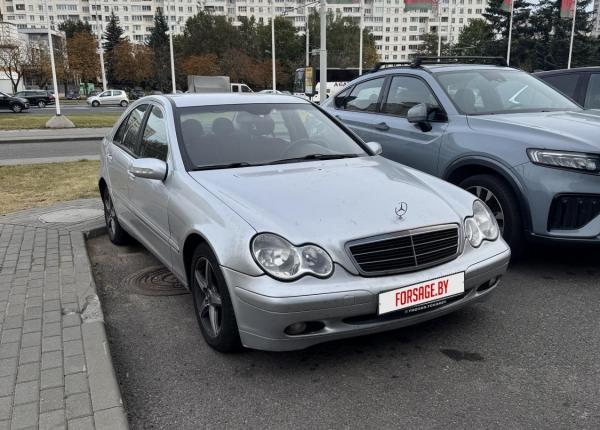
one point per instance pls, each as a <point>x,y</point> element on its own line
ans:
<point>100,49</point>
<point>360,42</point>
<point>52,64</point>
<point>323,53</point>
<point>171,29</point>
<point>306,12</point>
<point>273,46</point>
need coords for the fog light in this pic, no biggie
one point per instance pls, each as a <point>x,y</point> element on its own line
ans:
<point>296,328</point>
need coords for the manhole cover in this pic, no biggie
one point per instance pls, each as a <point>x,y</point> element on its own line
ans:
<point>155,281</point>
<point>71,215</point>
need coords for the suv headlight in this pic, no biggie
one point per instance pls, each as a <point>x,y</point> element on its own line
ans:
<point>567,160</point>
<point>481,226</point>
<point>286,262</point>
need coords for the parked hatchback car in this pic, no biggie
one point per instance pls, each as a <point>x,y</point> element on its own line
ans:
<point>39,98</point>
<point>286,227</point>
<point>581,84</point>
<point>530,153</point>
<point>16,104</point>
<point>109,97</point>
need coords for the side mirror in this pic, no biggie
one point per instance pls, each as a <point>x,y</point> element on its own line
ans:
<point>375,147</point>
<point>418,114</point>
<point>148,168</point>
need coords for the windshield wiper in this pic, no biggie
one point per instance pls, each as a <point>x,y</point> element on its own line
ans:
<point>224,166</point>
<point>314,157</point>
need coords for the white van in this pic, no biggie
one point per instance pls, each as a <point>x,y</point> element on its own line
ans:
<point>241,88</point>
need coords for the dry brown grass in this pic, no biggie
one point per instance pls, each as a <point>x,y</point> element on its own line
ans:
<point>39,185</point>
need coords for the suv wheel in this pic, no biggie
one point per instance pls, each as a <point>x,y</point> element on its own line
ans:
<point>16,108</point>
<point>41,104</point>
<point>501,200</point>
<point>95,103</point>
<point>116,233</point>
<point>212,303</point>
<point>123,103</point>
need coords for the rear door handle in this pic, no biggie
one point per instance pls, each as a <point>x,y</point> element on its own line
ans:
<point>382,126</point>
<point>108,156</point>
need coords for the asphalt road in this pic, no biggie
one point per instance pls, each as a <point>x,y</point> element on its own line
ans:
<point>528,358</point>
<point>23,153</point>
<point>66,110</point>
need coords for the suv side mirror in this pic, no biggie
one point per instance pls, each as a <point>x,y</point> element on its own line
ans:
<point>149,168</point>
<point>419,115</point>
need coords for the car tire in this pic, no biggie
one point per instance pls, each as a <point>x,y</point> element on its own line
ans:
<point>501,200</point>
<point>95,103</point>
<point>116,233</point>
<point>16,108</point>
<point>123,103</point>
<point>41,104</point>
<point>212,303</point>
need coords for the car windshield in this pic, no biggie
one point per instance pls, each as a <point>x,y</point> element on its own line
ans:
<point>257,134</point>
<point>487,91</point>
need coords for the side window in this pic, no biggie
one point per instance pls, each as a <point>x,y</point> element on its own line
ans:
<point>364,96</point>
<point>246,89</point>
<point>121,132</point>
<point>592,98</point>
<point>134,122</point>
<point>566,84</point>
<point>154,140</point>
<point>105,94</point>
<point>340,98</point>
<point>117,93</point>
<point>404,93</point>
<point>234,89</point>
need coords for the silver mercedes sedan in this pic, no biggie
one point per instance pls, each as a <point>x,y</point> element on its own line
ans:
<point>287,228</point>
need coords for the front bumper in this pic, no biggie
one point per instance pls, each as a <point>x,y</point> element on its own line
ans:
<point>345,305</point>
<point>542,185</point>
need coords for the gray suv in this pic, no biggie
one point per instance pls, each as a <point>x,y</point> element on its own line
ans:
<point>522,147</point>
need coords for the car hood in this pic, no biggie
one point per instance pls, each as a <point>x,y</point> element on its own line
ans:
<point>331,202</point>
<point>566,130</point>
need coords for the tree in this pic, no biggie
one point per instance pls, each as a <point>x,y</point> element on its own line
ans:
<point>71,28</point>
<point>476,38</point>
<point>430,45</point>
<point>132,64</point>
<point>204,65</point>
<point>342,41</point>
<point>12,63</point>
<point>112,37</point>
<point>158,42</point>
<point>83,64</point>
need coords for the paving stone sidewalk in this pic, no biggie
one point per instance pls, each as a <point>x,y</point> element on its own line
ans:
<point>55,367</point>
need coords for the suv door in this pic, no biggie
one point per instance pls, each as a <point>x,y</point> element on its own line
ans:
<point>403,141</point>
<point>119,155</point>
<point>149,197</point>
<point>357,107</point>
<point>4,101</point>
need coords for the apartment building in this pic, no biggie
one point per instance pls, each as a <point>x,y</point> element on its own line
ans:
<point>397,32</point>
<point>596,27</point>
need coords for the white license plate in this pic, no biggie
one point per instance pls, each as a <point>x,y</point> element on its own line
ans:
<point>422,293</point>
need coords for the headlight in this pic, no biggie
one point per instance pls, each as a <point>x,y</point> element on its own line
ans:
<point>481,226</point>
<point>286,262</point>
<point>567,160</point>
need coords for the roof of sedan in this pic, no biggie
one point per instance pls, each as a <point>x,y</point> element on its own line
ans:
<point>211,99</point>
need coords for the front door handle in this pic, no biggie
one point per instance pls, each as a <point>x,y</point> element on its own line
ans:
<point>108,156</point>
<point>382,126</point>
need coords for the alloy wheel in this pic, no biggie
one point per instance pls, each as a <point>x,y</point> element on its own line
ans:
<point>41,104</point>
<point>208,300</point>
<point>110,215</point>
<point>492,202</point>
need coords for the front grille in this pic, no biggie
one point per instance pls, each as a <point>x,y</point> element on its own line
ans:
<point>573,211</point>
<point>405,251</point>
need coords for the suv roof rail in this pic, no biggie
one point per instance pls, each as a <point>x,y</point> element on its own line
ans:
<point>386,64</point>
<point>498,61</point>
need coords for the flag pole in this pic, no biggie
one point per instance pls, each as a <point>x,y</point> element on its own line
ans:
<point>572,34</point>
<point>510,26</point>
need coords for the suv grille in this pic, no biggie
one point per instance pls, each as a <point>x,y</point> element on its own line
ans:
<point>405,251</point>
<point>573,211</point>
